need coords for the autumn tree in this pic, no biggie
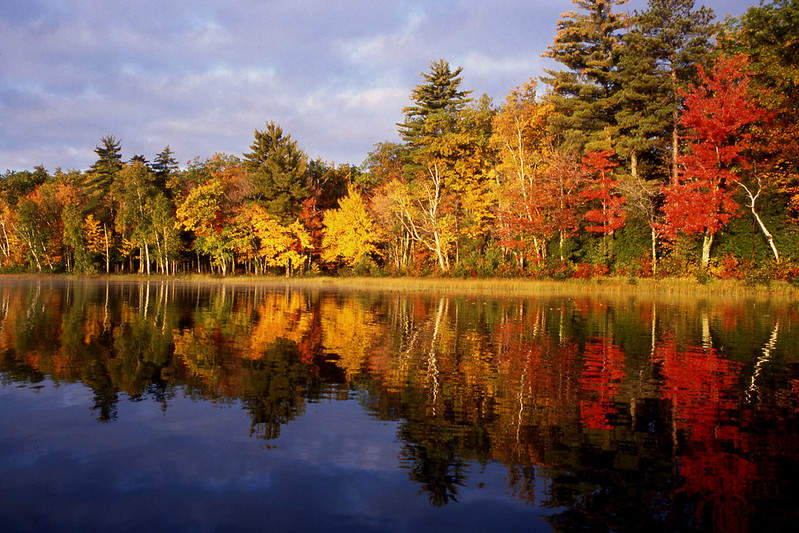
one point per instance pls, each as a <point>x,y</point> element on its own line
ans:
<point>279,245</point>
<point>436,144</point>
<point>134,189</point>
<point>350,233</point>
<point>384,175</point>
<point>206,213</point>
<point>327,184</point>
<point>519,136</point>
<point>38,226</point>
<point>565,178</point>
<point>606,205</point>
<point>719,113</point>
<point>767,34</point>
<point>72,197</point>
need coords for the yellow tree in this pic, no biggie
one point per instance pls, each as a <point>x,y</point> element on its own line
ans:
<point>279,246</point>
<point>209,208</point>
<point>520,138</point>
<point>350,233</point>
<point>7,221</point>
<point>200,213</point>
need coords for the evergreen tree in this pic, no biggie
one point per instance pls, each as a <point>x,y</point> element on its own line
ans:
<point>107,166</point>
<point>586,44</point>
<point>658,59</point>
<point>164,165</point>
<point>139,158</point>
<point>434,103</point>
<point>278,168</point>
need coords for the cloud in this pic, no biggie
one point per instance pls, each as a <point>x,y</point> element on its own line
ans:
<point>200,76</point>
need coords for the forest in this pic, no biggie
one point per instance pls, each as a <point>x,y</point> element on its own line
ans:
<point>665,144</point>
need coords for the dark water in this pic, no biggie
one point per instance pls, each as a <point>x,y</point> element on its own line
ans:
<point>164,406</point>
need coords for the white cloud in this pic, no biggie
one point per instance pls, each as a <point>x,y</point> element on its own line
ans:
<point>200,76</point>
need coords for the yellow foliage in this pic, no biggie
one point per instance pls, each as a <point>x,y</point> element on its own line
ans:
<point>350,232</point>
<point>280,316</point>
<point>352,332</point>
<point>95,241</point>
<point>280,246</point>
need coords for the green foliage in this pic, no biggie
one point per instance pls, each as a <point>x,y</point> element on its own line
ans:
<point>434,102</point>
<point>108,164</point>
<point>632,245</point>
<point>586,44</point>
<point>657,59</point>
<point>278,168</point>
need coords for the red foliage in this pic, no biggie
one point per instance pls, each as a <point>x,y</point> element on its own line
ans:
<point>699,383</point>
<point>588,271</point>
<point>600,382</point>
<point>610,215</point>
<point>718,113</point>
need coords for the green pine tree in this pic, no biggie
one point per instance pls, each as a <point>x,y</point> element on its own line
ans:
<point>107,166</point>
<point>586,44</point>
<point>279,169</point>
<point>434,103</point>
<point>658,59</point>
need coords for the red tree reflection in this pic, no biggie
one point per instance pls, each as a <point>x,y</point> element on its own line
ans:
<point>600,382</point>
<point>711,449</point>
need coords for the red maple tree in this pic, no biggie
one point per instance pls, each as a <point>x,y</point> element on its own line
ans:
<point>609,215</point>
<point>718,114</point>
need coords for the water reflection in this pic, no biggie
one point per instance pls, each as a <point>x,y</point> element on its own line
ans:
<point>628,414</point>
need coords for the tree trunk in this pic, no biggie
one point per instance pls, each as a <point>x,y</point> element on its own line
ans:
<point>107,250</point>
<point>766,233</point>
<point>654,252</point>
<point>675,135</point>
<point>707,242</point>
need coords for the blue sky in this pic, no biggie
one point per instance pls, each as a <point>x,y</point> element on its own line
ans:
<point>201,76</point>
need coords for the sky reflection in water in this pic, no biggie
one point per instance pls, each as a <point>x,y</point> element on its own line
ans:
<point>186,408</point>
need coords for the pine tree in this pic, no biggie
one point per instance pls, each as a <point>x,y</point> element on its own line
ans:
<point>658,59</point>
<point>278,168</point>
<point>435,101</point>
<point>586,44</point>
<point>107,166</point>
<point>164,165</point>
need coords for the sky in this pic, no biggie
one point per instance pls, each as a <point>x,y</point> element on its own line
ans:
<point>202,76</point>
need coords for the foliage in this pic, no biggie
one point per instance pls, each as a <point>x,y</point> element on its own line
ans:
<point>585,44</point>
<point>350,233</point>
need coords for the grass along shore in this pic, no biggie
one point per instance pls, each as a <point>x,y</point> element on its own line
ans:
<point>598,286</point>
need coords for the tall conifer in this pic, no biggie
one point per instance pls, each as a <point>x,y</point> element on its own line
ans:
<point>586,44</point>
<point>658,59</point>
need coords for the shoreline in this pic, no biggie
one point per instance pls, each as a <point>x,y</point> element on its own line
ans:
<point>518,287</point>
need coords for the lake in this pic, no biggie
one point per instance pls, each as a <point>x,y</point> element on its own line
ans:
<point>179,406</point>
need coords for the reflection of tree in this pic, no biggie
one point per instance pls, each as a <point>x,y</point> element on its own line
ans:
<point>700,385</point>
<point>274,388</point>
<point>602,373</point>
<point>106,395</point>
<point>592,407</point>
<point>432,457</point>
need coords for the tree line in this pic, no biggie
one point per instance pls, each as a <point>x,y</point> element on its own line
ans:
<point>665,144</point>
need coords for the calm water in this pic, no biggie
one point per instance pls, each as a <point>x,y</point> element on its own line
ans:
<point>180,407</point>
